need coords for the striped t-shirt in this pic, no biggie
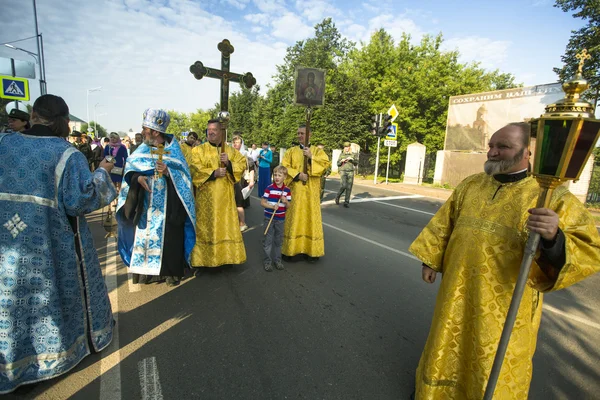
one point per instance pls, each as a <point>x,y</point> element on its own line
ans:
<point>273,194</point>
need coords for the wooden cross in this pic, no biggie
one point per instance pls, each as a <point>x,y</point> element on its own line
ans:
<point>582,57</point>
<point>160,151</point>
<point>200,71</point>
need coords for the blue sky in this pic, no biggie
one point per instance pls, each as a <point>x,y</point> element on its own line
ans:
<point>140,51</point>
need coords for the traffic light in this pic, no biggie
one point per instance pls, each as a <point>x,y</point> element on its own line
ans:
<point>374,124</point>
<point>386,125</point>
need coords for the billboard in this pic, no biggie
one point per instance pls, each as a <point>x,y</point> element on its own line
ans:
<point>473,118</point>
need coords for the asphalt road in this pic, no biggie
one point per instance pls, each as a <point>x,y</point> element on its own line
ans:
<point>351,326</point>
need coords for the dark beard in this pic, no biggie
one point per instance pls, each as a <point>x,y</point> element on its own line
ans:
<point>495,167</point>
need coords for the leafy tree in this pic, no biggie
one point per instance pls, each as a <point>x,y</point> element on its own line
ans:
<point>180,122</point>
<point>588,37</point>
<point>199,119</point>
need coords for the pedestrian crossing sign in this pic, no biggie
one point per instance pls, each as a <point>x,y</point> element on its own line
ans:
<point>14,88</point>
<point>393,133</point>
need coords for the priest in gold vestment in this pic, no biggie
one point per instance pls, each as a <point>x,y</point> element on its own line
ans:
<point>218,237</point>
<point>303,229</point>
<point>476,241</point>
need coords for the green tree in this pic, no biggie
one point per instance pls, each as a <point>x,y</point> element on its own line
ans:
<point>198,121</point>
<point>588,37</point>
<point>180,122</point>
<point>242,105</point>
<point>101,130</point>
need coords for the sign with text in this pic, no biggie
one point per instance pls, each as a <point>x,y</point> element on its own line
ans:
<point>390,143</point>
<point>473,118</point>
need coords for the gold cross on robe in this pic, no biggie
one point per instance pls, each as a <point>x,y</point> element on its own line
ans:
<point>160,151</point>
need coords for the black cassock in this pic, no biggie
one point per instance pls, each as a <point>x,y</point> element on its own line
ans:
<point>173,257</point>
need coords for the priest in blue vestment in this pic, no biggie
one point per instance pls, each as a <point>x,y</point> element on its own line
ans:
<point>155,211</point>
<point>54,308</point>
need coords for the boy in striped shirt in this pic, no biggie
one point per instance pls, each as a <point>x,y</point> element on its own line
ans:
<point>275,193</point>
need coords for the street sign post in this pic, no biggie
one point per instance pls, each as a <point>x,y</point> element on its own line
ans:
<point>14,88</point>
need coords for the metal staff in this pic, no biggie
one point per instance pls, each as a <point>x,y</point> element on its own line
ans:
<point>272,215</point>
<point>224,121</point>
<point>309,111</point>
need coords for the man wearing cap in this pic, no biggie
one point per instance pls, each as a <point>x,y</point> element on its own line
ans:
<point>155,247</point>
<point>346,164</point>
<point>218,237</point>
<point>82,145</point>
<point>18,120</point>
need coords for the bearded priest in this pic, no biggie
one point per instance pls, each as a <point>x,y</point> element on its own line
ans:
<point>476,241</point>
<point>155,211</point>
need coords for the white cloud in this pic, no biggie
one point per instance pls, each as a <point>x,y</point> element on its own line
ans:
<point>491,53</point>
<point>260,19</point>
<point>256,29</point>
<point>395,26</point>
<point>239,4</point>
<point>316,10</point>
<point>139,52</point>
<point>291,28</point>
<point>270,6</point>
<point>372,6</point>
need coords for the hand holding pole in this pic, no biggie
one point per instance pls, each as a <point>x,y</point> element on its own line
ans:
<point>273,215</point>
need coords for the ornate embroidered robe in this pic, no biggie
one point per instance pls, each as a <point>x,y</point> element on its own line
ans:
<point>141,245</point>
<point>54,302</point>
<point>303,229</point>
<point>476,240</point>
<point>218,237</point>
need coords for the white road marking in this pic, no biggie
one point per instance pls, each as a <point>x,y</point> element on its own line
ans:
<point>372,242</point>
<point>406,208</point>
<point>149,380</point>
<point>110,371</point>
<point>572,317</point>
<point>132,286</point>
<point>376,199</point>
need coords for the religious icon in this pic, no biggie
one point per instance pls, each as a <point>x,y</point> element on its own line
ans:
<point>309,88</point>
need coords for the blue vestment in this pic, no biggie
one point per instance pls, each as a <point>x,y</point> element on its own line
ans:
<point>54,301</point>
<point>141,246</point>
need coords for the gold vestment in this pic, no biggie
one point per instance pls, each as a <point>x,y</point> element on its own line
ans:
<point>218,237</point>
<point>476,240</point>
<point>303,229</point>
<point>187,152</point>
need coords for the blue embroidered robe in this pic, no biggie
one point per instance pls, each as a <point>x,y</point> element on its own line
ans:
<point>141,246</point>
<point>52,306</point>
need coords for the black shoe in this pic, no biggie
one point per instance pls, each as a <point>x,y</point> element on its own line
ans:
<point>347,205</point>
<point>312,260</point>
<point>337,200</point>
<point>286,258</point>
<point>171,281</point>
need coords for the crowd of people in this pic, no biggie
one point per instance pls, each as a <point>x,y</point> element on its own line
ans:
<point>56,308</point>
